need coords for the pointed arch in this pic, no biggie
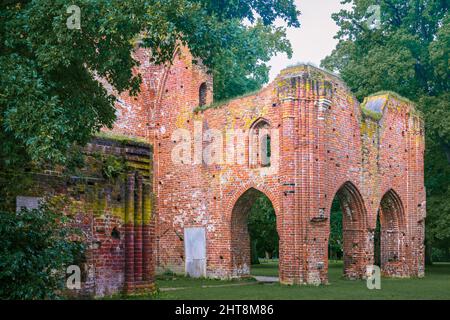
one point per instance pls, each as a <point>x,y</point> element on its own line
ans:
<point>353,203</point>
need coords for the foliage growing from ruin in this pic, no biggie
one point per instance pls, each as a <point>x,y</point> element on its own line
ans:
<point>410,54</point>
<point>112,167</point>
<point>123,139</point>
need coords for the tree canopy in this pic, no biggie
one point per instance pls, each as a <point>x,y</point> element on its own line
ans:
<point>50,98</point>
<point>407,53</point>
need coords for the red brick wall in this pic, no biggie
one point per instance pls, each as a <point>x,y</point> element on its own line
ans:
<point>327,147</point>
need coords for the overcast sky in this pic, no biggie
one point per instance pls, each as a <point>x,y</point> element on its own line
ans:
<point>313,41</point>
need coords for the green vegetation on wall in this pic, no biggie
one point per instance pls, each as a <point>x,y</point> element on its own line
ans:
<point>36,249</point>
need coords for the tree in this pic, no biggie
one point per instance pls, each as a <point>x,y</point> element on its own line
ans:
<point>50,98</point>
<point>36,247</point>
<point>408,53</point>
<point>246,70</point>
<point>262,228</point>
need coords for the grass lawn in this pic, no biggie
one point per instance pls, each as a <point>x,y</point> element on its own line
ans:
<point>435,285</point>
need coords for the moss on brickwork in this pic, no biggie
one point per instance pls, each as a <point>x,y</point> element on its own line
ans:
<point>313,71</point>
<point>393,94</point>
<point>113,167</point>
<point>371,114</point>
<point>369,128</point>
<point>382,99</point>
<point>388,95</point>
<point>95,195</point>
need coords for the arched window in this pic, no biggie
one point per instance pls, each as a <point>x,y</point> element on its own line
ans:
<point>202,94</point>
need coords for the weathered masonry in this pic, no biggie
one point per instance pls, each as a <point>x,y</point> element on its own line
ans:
<point>370,155</point>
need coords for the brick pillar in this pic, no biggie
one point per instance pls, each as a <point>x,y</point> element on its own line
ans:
<point>138,230</point>
<point>412,191</point>
<point>321,95</point>
<point>419,240</point>
<point>147,268</point>
<point>303,174</point>
<point>129,233</point>
<point>369,131</point>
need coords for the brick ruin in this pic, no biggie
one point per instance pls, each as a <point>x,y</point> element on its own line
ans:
<point>191,215</point>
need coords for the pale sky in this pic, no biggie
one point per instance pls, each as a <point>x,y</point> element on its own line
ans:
<point>313,41</point>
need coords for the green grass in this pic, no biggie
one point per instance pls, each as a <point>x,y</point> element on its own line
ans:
<point>186,282</point>
<point>435,285</point>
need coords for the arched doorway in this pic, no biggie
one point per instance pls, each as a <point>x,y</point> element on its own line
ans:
<point>347,240</point>
<point>253,231</point>
<point>391,236</point>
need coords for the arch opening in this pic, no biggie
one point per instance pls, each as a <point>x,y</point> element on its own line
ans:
<point>260,148</point>
<point>346,244</point>
<point>390,236</point>
<point>254,236</point>
<point>202,91</point>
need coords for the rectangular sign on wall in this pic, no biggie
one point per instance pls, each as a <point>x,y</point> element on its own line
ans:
<point>195,252</point>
